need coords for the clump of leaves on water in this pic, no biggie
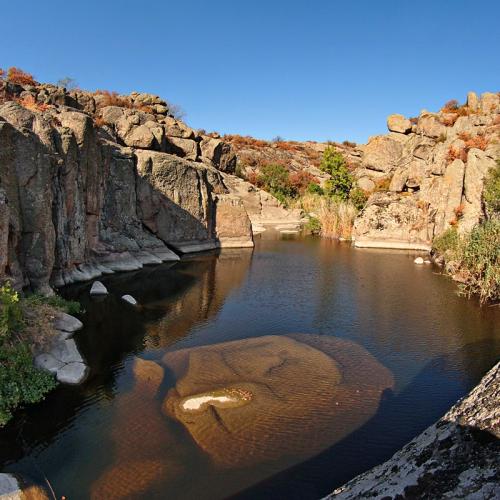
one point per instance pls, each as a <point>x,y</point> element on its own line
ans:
<point>20,381</point>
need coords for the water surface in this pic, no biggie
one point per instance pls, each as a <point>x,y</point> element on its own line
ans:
<point>404,319</point>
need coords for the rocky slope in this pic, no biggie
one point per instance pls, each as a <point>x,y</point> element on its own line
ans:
<point>455,458</point>
<point>97,183</point>
<point>433,167</point>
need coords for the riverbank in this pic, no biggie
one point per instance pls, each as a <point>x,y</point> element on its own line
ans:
<point>457,457</point>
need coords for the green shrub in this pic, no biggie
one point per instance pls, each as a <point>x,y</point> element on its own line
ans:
<point>449,241</point>
<point>481,259</point>
<point>20,381</point>
<point>10,312</point>
<point>491,192</point>
<point>314,188</point>
<point>68,306</point>
<point>358,198</point>
<point>314,225</point>
<point>275,178</point>
<point>341,182</point>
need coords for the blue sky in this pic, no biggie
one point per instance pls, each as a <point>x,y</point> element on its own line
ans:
<point>320,70</point>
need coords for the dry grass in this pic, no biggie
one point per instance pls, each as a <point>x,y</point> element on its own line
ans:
<point>38,331</point>
<point>336,217</point>
<point>239,140</point>
<point>477,142</point>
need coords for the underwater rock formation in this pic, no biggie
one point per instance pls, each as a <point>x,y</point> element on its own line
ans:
<point>261,399</point>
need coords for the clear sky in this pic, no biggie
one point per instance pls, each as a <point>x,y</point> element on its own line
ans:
<point>321,70</point>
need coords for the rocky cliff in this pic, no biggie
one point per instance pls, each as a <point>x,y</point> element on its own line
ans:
<point>433,168</point>
<point>97,183</point>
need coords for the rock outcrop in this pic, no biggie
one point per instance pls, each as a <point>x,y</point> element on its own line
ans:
<point>455,458</point>
<point>92,184</point>
<point>434,171</point>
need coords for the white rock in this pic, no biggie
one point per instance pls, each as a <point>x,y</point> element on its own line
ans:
<point>72,373</point>
<point>9,487</point>
<point>67,323</point>
<point>129,299</point>
<point>98,289</point>
<point>427,261</point>
<point>419,260</point>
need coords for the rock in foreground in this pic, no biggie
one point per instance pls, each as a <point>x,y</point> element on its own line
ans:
<point>458,457</point>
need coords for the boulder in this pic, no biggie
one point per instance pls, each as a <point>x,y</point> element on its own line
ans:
<point>398,123</point>
<point>382,153</point>
<point>176,128</point>
<point>366,184</point>
<point>185,148</point>
<point>219,154</point>
<point>399,179</point>
<point>472,101</point>
<point>72,373</point>
<point>67,323</point>
<point>129,299</point>
<point>490,102</point>
<point>98,289</point>
<point>430,126</point>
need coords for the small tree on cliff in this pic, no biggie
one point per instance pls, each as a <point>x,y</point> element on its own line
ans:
<point>341,182</point>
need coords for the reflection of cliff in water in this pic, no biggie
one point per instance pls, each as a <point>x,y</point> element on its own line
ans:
<point>216,278</point>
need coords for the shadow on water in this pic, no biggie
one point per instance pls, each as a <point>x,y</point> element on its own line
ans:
<point>318,476</point>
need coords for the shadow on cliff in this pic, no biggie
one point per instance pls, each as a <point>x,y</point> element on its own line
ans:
<point>388,431</point>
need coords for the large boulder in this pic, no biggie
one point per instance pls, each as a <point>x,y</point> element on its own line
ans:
<point>382,153</point>
<point>184,148</point>
<point>219,154</point>
<point>398,123</point>
<point>430,126</point>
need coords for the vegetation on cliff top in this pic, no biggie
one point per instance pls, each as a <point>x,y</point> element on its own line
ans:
<point>24,324</point>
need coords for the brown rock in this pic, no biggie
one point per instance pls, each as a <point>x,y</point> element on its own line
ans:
<point>382,153</point>
<point>398,123</point>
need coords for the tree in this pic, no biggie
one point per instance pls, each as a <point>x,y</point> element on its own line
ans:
<point>68,83</point>
<point>341,182</point>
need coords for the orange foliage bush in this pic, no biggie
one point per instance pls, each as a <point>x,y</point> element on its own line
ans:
<point>459,211</point>
<point>29,102</point>
<point>450,106</point>
<point>456,153</point>
<point>465,136</point>
<point>99,121</point>
<point>239,140</point>
<point>17,75</point>
<point>478,142</point>
<point>113,99</point>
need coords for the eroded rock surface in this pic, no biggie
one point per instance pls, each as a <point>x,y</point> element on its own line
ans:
<point>458,457</point>
<point>88,189</point>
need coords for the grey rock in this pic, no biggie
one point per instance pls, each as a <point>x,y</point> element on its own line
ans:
<point>67,323</point>
<point>72,373</point>
<point>98,289</point>
<point>129,299</point>
<point>48,362</point>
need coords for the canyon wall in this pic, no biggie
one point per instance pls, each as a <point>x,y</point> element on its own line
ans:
<point>433,169</point>
<point>88,188</point>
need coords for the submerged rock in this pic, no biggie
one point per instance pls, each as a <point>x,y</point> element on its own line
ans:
<point>270,397</point>
<point>98,289</point>
<point>419,260</point>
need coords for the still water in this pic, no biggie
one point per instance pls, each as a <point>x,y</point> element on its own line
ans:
<point>277,372</point>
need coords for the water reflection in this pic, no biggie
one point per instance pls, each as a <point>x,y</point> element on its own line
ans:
<point>406,317</point>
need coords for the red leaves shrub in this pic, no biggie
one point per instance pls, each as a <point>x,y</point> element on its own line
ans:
<point>300,181</point>
<point>452,105</point>
<point>478,142</point>
<point>17,75</point>
<point>456,154</point>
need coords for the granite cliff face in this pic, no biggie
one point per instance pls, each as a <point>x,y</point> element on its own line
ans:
<point>434,168</point>
<point>88,188</point>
